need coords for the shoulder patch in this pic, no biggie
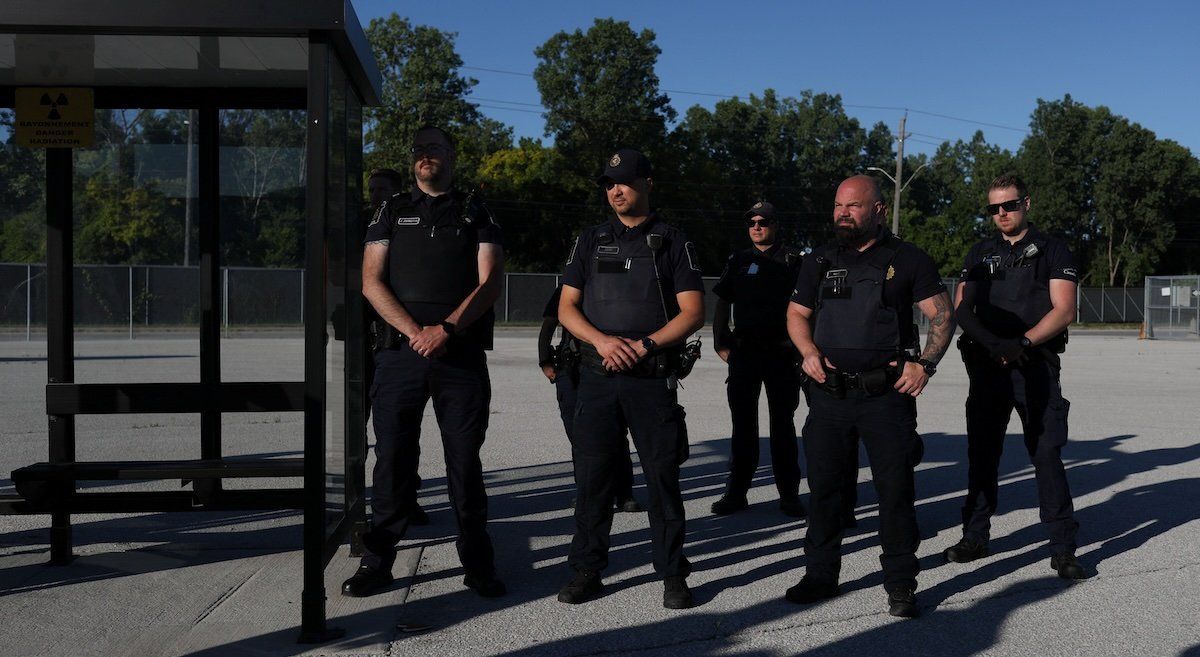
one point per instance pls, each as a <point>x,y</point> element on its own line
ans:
<point>574,247</point>
<point>693,260</point>
<point>378,216</point>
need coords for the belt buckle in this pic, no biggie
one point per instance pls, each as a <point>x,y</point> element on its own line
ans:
<point>853,380</point>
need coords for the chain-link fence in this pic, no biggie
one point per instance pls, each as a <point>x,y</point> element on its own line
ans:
<point>1172,307</point>
<point>144,298</point>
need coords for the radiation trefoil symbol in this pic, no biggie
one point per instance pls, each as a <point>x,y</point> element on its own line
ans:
<point>53,104</point>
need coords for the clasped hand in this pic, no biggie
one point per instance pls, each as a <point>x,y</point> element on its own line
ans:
<point>619,354</point>
<point>430,341</point>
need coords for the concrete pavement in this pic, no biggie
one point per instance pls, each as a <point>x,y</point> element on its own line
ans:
<point>228,584</point>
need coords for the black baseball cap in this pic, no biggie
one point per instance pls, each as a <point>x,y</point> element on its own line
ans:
<point>760,209</point>
<point>625,166</point>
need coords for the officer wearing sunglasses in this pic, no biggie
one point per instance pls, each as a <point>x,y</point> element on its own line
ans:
<point>1014,302</point>
<point>756,285</point>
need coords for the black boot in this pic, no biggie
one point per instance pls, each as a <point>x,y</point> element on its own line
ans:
<point>584,587</point>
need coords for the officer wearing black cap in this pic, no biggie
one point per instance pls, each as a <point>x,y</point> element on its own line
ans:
<point>757,283</point>
<point>632,294</point>
<point>1015,302</point>
<point>432,266</point>
<point>851,319</point>
<point>560,364</point>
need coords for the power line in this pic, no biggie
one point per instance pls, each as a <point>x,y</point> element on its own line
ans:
<point>851,105</point>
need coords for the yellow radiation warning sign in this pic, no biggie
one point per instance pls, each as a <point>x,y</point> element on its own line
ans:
<point>62,117</point>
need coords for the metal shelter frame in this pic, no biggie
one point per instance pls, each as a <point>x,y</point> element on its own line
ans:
<point>339,79</point>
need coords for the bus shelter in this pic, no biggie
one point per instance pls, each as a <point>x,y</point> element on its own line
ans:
<point>71,57</point>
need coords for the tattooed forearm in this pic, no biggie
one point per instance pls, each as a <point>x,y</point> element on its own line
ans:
<point>941,326</point>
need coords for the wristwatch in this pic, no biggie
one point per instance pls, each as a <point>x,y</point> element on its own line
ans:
<point>1026,342</point>
<point>448,327</point>
<point>648,345</point>
<point>929,366</point>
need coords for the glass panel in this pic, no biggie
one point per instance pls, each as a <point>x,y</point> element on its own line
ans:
<point>136,284</point>
<point>133,60</point>
<point>335,298</point>
<point>262,187</point>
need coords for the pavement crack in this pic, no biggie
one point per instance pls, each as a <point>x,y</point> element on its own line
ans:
<point>223,597</point>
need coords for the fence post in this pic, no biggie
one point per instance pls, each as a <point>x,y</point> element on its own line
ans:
<point>28,302</point>
<point>1102,298</point>
<point>1078,303</point>
<point>1146,310</point>
<point>301,272</point>
<point>130,302</point>
<point>225,302</point>
<point>507,281</point>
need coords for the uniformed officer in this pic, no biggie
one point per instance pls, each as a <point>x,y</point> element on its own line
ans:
<point>431,268</point>
<point>382,184</point>
<point>560,364</point>
<point>757,283</point>
<point>632,294</point>
<point>1015,302</point>
<point>851,319</point>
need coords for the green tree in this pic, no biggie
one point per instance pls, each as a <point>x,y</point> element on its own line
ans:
<point>601,93</point>
<point>124,223</point>
<point>422,84</point>
<point>1110,185</point>
<point>790,151</point>
<point>942,210</point>
<point>538,209</point>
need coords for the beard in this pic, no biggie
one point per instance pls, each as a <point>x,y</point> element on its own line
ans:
<point>432,175</point>
<point>851,235</point>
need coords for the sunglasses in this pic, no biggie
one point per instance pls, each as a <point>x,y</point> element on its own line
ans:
<point>1007,206</point>
<point>420,150</point>
<point>763,223</point>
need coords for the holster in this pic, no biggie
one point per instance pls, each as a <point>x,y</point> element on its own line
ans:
<point>384,336</point>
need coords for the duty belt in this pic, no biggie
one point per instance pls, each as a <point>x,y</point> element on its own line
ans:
<point>873,382</point>
<point>659,364</point>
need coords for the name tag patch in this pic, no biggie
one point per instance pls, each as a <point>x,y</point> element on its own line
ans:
<point>408,221</point>
<point>608,250</point>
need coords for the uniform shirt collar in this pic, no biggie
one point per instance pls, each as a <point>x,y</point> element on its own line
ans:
<point>419,196</point>
<point>1031,235</point>
<point>622,231</point>
<point>771,252</point>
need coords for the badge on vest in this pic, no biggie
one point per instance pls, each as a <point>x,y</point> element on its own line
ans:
<point>752,269</point>
<point>835,288</point>
<point>408,221</point>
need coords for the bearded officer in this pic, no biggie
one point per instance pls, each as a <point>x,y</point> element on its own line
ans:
<point>851,319</point>
<point>432,269</point>
<point>632,293</point>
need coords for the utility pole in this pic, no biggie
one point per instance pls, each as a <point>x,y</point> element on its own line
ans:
<point>899,177</point>
<point>187,195</point>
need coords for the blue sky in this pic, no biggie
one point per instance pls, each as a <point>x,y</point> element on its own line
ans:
<point>985,62</point>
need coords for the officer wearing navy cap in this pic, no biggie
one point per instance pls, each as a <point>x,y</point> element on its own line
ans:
<point>432,269</point>
<point>1015,302</point>
<point>756,285</point>
<point>851,320</point>
<point>632,293</point>
<point>560,364</point>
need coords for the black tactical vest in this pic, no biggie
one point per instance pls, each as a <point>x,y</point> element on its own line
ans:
<point>850,310</point>
<point>1015,292</point>
<point>623,294</point>
<point>431,263</point>
<point>761,291</point>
